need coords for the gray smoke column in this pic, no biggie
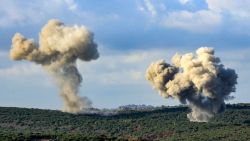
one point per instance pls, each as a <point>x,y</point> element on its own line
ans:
<point>59,48</point>
<point>199,80</point>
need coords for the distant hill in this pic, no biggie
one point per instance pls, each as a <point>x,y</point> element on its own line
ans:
<point>131,123</point>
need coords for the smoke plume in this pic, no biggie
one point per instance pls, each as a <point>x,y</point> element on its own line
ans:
<point>59,48</point>
<point>200,80</point>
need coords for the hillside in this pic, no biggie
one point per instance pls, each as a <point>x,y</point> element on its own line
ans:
<point>165,123</point>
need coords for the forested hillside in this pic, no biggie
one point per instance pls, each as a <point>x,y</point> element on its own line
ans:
<point>165,123</point>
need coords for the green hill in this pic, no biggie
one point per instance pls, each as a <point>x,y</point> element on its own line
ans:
<point>166,123</point>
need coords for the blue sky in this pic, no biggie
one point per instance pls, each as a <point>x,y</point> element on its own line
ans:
<point>130,34</point>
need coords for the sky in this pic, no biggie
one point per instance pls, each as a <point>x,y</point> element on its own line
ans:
<point>130,35</point>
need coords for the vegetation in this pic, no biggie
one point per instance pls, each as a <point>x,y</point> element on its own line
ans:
<point>165,123</point>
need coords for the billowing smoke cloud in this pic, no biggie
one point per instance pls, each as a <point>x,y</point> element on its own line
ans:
<point>59,48</point>
<point>201,80</point>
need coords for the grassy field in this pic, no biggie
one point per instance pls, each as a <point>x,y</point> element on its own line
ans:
<point>165,123</point>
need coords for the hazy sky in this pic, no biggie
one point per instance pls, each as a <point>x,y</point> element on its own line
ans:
<point>130,35</point>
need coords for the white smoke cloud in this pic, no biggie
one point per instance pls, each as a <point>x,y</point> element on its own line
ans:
<point>201,80</point>
<point>59,48</point>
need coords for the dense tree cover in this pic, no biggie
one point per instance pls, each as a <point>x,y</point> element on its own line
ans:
<point>165,123</point>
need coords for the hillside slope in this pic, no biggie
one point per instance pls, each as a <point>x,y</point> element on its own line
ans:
<point>159,124</point>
